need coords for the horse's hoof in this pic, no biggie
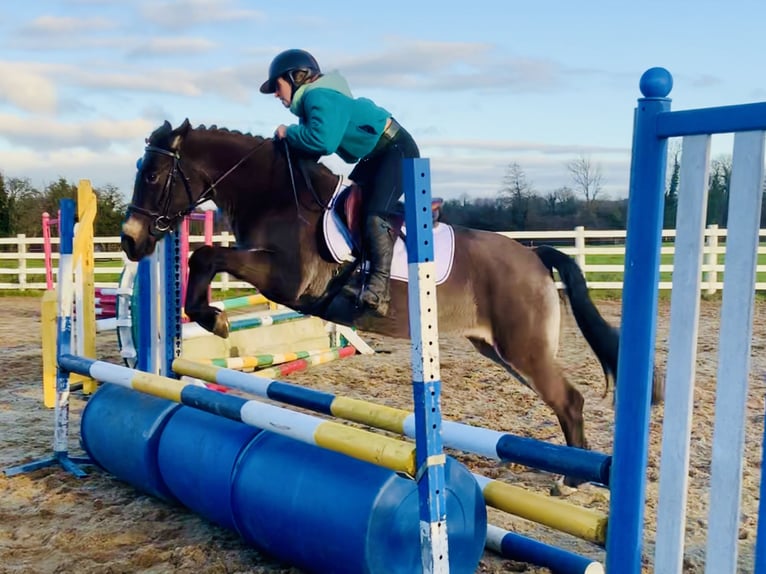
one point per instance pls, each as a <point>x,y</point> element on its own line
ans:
<point>571,483</point>
<point>221,326</point>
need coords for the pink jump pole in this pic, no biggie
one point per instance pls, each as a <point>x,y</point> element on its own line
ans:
<point>48,248</point>
<point>208,221</point>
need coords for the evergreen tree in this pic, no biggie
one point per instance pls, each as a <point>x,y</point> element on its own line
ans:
<point>671,195</point>
<point>5,210</point>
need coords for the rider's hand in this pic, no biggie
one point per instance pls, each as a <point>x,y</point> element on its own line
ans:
<point>281,132</point>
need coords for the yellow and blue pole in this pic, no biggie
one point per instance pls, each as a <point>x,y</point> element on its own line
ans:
<point>354,442</point>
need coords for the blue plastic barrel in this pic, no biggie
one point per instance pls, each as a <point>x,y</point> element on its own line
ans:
<point>325,512</point>
<point>120,430</point>
<point>197,455</point>
<point>308,506</point>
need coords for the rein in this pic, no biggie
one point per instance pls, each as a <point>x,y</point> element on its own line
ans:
<point>307,179</point>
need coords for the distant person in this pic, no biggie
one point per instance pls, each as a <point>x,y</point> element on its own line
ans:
<point>331,121</point>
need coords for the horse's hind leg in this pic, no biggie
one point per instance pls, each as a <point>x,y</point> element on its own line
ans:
<point>540,371</point>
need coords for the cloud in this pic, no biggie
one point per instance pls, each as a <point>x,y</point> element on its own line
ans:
<point>705,81</point>
<point>60,25</point>
<point>44,167</point>
<point>168,81</point>
<point>453,66</point>
<point>181,14</point>
<point>172,46</point>
<point>48,134</point>
<point>493,146</point>
<point>27,88</point>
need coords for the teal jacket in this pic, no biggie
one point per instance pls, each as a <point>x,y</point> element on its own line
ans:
<point>333,121</point>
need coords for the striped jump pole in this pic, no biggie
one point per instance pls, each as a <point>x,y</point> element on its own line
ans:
<point>525,549</point>
<point>357,443</point>
<point>248,364</point>
<point>559,459</point>
<point>193,330</point>
<point>241,302</point>
<point>281,365</point>
<point>581,522</point>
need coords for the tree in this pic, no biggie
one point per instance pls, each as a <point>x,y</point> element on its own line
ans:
<point>25,207</point>
<point>111,211</point>
<point>718,191</point>
<point>561,201</point>
<point>586,177</point>
<point>5,210</point>
<point>671,194</point>
<point>515,194</point>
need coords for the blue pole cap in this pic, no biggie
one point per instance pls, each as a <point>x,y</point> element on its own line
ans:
<point>656,83</point>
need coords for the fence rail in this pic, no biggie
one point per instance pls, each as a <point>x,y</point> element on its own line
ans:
<point>599,253</point>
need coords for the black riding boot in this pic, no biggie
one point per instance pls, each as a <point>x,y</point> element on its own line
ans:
<point>380,246</point>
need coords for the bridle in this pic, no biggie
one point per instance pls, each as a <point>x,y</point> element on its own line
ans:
<point>164,221</point>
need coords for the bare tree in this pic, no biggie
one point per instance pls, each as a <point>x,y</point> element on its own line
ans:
<point>515,194</point>
<point>586,177</point>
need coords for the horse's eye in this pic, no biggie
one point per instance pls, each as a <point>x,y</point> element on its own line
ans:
<point>152,177</point>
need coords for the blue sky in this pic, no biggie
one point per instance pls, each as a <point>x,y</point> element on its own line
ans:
<point>479,84</point>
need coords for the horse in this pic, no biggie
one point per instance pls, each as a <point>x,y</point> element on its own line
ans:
<point>499,294</point>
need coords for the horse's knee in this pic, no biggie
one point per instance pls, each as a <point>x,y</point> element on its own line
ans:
<point>202,258</point>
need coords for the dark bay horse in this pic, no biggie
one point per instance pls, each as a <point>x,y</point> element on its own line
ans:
<point>500,294</point>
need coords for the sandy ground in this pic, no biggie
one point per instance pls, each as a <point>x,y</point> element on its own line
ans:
<point>51,522</point>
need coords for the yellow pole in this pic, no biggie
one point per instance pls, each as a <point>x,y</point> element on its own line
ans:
<point>48,333</point>
<point>84,265</point>
<point>584,523</point>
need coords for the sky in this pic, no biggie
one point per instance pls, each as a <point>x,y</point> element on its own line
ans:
<point>479,84</point>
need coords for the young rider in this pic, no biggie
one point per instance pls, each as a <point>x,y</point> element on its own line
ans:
<point>332,120</point>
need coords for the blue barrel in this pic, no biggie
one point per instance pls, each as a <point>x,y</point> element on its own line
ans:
<point>319,510</point>
<point>328,513</point>
<point>197,454</point>
<point>120,430</point>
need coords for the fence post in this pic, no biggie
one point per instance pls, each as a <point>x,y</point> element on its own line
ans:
<point>225,276</point>
<point>711,258</point>
<point>21,240</point>
<point>579,243</point>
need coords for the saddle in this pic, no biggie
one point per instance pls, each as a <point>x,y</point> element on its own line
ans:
<point>347,206</point>
<point>341,234</point>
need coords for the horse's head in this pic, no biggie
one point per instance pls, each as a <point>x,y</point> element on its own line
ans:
<point>184,167</point>
<point>165,191</point>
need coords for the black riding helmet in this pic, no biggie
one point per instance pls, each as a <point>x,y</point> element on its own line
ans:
<point>287,62</point>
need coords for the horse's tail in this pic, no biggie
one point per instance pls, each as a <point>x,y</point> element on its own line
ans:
<point>602,337</point>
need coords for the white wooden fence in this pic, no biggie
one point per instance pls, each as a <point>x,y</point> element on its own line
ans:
<point>22,258</point>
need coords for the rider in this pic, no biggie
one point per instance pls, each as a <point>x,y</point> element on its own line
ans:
<point>331,121</point>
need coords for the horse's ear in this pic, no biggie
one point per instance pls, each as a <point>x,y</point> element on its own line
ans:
<point>179,134</point>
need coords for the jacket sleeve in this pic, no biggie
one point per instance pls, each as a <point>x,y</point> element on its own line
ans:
<point>323,123</point>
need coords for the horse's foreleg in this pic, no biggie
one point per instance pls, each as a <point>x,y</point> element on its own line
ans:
<point>204,264</point>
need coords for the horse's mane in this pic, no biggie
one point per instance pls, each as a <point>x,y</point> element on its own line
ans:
<point>310,163</point>
<point>224,130</point>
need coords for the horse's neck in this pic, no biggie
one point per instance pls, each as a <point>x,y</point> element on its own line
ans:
<point>262,186</point>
